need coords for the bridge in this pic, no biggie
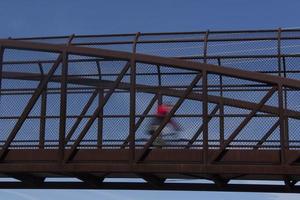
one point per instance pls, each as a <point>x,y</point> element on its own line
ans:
<point>79,107</point>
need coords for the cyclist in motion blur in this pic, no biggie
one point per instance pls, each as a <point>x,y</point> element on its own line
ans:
<point>162,111</point>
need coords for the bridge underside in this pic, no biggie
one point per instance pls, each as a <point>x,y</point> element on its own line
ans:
<point>80,109</point>
<point>163,169</point>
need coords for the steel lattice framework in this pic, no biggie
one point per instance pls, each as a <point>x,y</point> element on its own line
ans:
<point>80,106</point>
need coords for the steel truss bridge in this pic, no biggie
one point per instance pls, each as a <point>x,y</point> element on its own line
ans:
<point>80,106</point>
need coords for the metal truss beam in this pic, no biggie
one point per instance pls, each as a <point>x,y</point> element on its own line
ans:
<point>72,153</point>
<point>183,96</point>
<point>154,60</point>
<point>222,150</point>
<point>28,108</point>
<point>163,91</point>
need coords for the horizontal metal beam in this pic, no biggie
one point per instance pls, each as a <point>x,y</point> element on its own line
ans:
<point>154,90</point>
<point>265,170</point>
<point>148,186</point>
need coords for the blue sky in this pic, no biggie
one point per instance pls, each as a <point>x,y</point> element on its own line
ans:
<point>26,18</point>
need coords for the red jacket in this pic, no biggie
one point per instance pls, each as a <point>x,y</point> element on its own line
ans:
<point>162,111</point>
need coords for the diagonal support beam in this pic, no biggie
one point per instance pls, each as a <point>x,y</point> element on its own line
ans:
<point>82,114</point>
<point>146,150</point>
<point>141,119</point>
<point>267,135</point>
<point>219,154</point>
<point>29,107</point>
<point>294,159</point>
<point>218,180</point>
<point>90,178</point>
<point>152,179</point>
<point>200,130</point>
<point>289,182</point>
<point>73,149</point>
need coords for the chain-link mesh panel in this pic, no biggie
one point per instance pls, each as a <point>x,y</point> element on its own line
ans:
<point>114,47</point>
<point>52,133</point>
<point>48,40</point>
<point>247,52</point>
<point>90,140</point>
<point>293,100</point>
<point>147,75</point>
<point>86,69</point>
<point>190,107</point>
<point>142,102</point>
<point>240,48</point>
<point>273,141</point>
<point>171,49</point>
<point>28,135</point>
<point>118,43</point>
<point>171,36</point>
<point>265,65</point>
<point>22,67</point>
<point>290,46</point>
<point>294,136</point>
<point>13,105</point>
<point>118,104</point>
<point>253,132</point>
<point>78,130</point>
<point>6,127</point>
<point>53,104</point>
<point>143,130</point>
<point>242,35</point>
<point>292,65</point>
<point>289,33</point>
<point>76,102</point>
<point>12,55</point>
<point>79,40</point>
<point>115,131</point>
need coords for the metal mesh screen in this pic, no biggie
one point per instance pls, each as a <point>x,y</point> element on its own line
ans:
<point>93,81</point>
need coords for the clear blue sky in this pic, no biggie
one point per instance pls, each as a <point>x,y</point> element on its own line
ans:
<point>25,18</point>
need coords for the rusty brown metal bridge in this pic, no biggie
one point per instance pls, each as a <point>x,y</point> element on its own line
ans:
<point>79,106</point>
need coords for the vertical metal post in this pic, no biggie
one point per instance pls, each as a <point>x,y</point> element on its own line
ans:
<point>63,105</point>
<point>205,102</point>
<point>1,69</point>
<point>63,101</point>
<point>283,90</point>
<point>160,98</point>
<point>285,103</point>
<point>279,51</point>
<point>285,76</point>
<point>132,100</point>
<point>205,116</point>
<point>1,65</point>
<point>43,112</point>
<point>100,117</point>
<point>221,108</point>
<point>282,125</point>
<point>205,46</point>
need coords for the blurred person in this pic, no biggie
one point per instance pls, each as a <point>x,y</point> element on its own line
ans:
<point>162,111</point>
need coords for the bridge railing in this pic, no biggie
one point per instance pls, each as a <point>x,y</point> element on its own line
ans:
<point>67,96</point>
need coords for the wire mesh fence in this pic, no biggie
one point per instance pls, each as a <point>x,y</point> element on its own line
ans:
<point>99,91</point>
